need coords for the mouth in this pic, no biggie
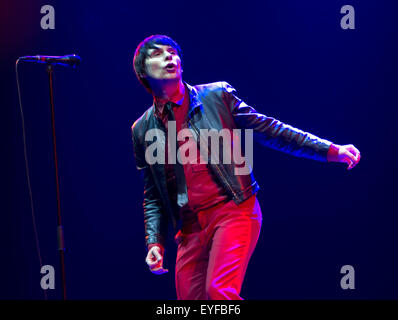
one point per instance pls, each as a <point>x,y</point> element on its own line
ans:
<point>170,67</point>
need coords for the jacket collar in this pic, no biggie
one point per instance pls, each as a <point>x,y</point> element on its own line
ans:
<point>194,101</point>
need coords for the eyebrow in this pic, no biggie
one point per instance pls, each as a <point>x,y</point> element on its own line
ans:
<point>157,48</point>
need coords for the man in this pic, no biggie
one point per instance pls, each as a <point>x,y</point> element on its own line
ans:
<point>218,210</point>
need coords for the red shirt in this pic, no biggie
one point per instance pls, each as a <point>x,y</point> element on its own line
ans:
<point>203,189</point>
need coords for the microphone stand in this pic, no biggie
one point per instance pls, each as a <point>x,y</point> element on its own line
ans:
<point>60,232</point>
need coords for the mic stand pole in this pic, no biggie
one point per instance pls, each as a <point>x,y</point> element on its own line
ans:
<point>60,232</point>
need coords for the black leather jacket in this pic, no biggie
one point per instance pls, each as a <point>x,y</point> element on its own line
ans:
<point>214,105</point>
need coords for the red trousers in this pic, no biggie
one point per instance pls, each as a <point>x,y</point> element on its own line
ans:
<point>215,249</point>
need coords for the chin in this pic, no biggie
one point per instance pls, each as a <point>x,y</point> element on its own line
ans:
<point>172,77</point>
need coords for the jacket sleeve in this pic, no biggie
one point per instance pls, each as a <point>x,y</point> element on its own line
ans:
<point>273,133</point>
<point>155,219</point>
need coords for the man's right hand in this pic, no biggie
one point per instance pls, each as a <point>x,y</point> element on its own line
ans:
<point>154,259</point>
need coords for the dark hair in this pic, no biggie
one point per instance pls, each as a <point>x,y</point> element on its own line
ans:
<point>141,54</point>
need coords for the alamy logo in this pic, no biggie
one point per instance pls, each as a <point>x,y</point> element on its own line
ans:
<point>48,280</point>
<point>348,280</point>
<point>348,20</point>
<point>48,20</point>
<point>231,152</point>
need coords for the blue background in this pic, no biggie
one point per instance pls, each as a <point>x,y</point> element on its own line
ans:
<point>288,59</point>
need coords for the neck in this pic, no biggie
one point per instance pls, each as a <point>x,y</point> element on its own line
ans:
<point>168,91</point>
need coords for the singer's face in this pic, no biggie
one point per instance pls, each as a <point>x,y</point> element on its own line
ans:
<point>163,63</point>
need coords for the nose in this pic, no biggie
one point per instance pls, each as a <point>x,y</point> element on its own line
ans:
<point>169,56</point>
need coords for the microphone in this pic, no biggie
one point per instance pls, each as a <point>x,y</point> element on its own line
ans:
<point>70,60</point>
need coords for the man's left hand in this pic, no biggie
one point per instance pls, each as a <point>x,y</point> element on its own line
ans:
<point>347,154</point>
